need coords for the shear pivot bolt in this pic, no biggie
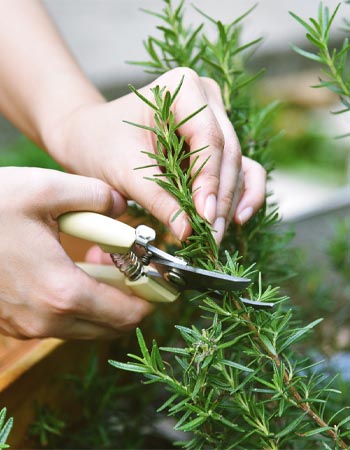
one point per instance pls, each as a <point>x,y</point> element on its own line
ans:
<point>175,278</point>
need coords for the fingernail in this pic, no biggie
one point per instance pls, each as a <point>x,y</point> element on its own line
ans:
<point>210,208</point>
<point>180,227</point>
<point>245,215</point>
<point>219,229</point>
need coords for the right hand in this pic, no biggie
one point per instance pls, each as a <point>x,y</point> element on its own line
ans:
<point>42,292</point>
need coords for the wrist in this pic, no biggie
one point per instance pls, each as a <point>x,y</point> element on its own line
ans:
<point>57,131</point>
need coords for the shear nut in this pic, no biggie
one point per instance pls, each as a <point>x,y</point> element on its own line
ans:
<point>174,278</point>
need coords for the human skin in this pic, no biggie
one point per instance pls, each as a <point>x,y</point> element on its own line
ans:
<point>42,292</point>
<point>45,94</point>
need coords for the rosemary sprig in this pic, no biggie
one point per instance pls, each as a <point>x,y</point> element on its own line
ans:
<point>333,61</point>
<point>171,157</point>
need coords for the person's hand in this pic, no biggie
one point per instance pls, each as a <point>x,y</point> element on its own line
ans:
<point>42,292</point>
<point>93,140</point>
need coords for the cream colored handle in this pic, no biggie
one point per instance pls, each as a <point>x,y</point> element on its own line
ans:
<point>113,237</point>
<point>144,287</point>
<point>110,234</point>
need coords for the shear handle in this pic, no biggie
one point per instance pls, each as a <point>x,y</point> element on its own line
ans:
<point>113,237</point>
<point>145,287</point>
<point>110,234</point>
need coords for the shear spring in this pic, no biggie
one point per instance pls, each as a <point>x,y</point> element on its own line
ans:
<point>128,264</point>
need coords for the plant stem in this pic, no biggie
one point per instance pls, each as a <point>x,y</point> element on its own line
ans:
<point>295,394</point>
<point>335,73</point>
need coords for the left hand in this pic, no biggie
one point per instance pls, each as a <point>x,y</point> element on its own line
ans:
<point>93,140</point>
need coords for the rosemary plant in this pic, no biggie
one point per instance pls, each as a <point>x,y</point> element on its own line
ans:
<point>235,379</point>
<point>333,62</point>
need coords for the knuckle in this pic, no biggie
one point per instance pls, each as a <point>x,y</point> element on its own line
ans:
<point>18,335</point>
<point>38,328</point>
<point>262,171</point>
<point>212,85</point>
<point>259,171</point>
<point>235,159</point>
<point>103,200</point>
<point>26,326</point>
<point>159,204</point>
<point>135,317</point>
<point>215,136</point>
<point>213,180</point>
<point>63,299</point>
<point>12,329</point>
<point>38,186</point>
<point>154,205</point>
<point>186,72</point>
<point>226,201</point>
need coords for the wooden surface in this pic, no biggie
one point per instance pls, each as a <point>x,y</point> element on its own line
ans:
<point>43,384</point>
<point>22,356</point>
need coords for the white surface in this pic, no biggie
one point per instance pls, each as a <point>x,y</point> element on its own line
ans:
<point>103,34</point>
<point>298,196</point>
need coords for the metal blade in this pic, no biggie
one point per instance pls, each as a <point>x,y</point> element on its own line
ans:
<point>184,276</point>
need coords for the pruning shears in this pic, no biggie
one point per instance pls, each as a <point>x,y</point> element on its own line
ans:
<point>143,269</point>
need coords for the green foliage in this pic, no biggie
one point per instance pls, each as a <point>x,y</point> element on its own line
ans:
<point>5,428</point>
<point>23,152</point>
<point>339,247</point>
<point>234,378</point>
<point>333,61</point>
<point>308,153</point>
<point>105,413</point>
<point>46,425</point>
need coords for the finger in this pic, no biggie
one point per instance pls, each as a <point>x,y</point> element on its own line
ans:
<point>202,131</point>
<point>96,256</point>
<point>139,185</point>
<point>69,192</point>
<point>86,310</point>
<point>61,293</point>
<point>104,305</point>
<point>82,329</point>
<point>41,322</point>
<point>254,190</point>
<point>230,171</point>
<point>76,328</point>
<point>61,328</point>
<point>236,199</point>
